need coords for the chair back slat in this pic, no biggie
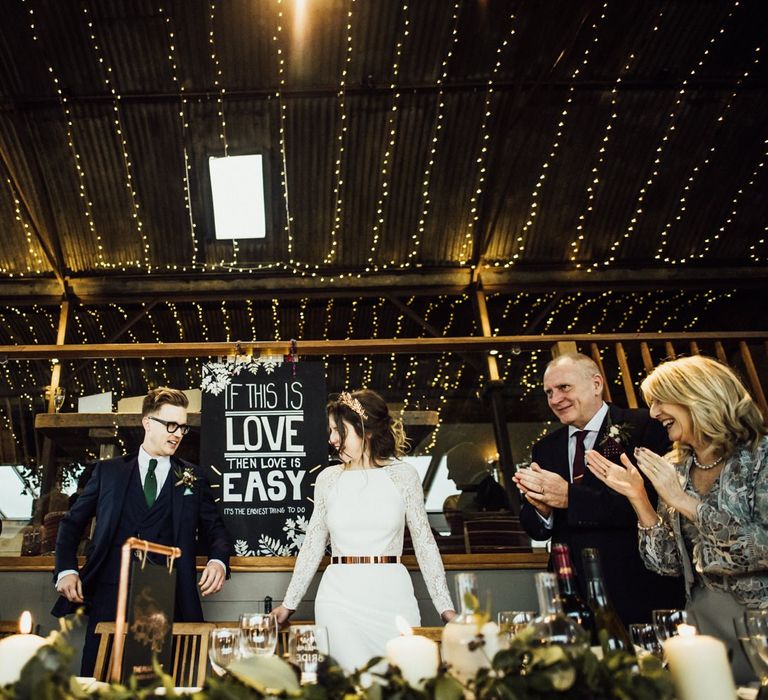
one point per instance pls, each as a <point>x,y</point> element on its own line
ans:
<point>599,362</point>
<point>720,352</point>
<point>499,534</point>
<point>645,353</point>
<point>626,376</point>
<point>754,379</point>
<point>189,652</point>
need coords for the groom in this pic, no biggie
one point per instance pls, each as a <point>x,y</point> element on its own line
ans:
<point>151,495</point>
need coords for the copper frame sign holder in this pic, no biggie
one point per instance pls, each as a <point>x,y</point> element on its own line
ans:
<point>132,544</point>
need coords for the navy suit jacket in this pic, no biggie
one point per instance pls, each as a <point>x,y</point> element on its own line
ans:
<point>599,517</point>
<point>104,496</point>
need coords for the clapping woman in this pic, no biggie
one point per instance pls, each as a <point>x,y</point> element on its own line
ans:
<point>362,505</point>
<point>711,524</point>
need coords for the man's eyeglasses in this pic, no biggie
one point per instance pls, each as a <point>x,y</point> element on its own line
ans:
<point>172,426</point>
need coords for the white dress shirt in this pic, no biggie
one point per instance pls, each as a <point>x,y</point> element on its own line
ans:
<point>162,470</point>
<point>592,428</point>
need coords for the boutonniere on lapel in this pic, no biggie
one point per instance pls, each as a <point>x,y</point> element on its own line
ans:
<point>615,440</point>
<point>187,479</point>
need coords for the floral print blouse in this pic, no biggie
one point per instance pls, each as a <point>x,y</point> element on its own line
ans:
<point>727,542</point>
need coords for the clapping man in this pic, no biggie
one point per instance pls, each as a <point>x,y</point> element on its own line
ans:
<point>565,502</point>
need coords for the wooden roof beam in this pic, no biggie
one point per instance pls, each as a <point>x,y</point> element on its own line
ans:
<point>201,287</point>
<point>374,346</point>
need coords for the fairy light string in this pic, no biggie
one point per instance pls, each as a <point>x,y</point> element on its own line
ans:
<point>185,137</point>
<point>673,119</point>
<point>677,215</point>
<point>534,203</point>
<point>83,192</point>
<point>437,127</point>
<point>119,130</point>
<point>340,140</point>
<point>391,140</point>
<point>465,249</point>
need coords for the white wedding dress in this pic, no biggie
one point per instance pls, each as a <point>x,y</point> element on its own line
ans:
<point>364,513</point>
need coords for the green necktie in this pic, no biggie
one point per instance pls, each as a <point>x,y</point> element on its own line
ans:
<point>150,483</point>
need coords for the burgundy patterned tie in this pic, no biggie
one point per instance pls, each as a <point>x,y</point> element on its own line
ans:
<point>578,456</point>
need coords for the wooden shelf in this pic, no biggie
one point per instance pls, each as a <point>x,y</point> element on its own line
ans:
<point>80,433</point>
<point>453,562</point>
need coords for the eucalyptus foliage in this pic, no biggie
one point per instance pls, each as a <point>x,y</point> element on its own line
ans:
<point>525,671</point>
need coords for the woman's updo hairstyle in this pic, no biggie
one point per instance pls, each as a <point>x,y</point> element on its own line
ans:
<point>368,414</point>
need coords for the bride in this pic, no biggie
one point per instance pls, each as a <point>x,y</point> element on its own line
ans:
<point>362,505</point>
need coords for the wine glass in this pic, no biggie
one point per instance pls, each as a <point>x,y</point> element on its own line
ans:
<point>643,636</point>
<point>665,622</point>
<point>59,394</point>
<point>752,633</point>
<point>307,649</point>
<point>513,621</point>
<point>258,634</point>
<point>223,648</point>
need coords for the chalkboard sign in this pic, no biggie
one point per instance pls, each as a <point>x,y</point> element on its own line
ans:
<point>264,436</point>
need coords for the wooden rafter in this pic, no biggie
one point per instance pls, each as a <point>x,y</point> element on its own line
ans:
<point>374,346</point>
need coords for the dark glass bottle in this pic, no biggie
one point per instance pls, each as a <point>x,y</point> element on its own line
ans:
<point>573,606</point>
<point>552,626</point>
<point>267,604</point>
<point>611,632</point>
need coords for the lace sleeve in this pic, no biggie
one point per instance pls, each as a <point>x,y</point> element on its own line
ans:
<point>407,480</point>
<point>658,548</point>
<point>313,548</point>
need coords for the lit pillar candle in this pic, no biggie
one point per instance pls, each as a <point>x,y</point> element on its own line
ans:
<point>17,649</point>
<point>416,656</point>
<point>699,666</point>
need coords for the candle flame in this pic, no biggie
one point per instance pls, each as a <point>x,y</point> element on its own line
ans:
<point>402,625</point>
<point>686,630</point>
<point>25,622</point>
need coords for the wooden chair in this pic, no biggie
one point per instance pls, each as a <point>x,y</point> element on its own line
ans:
<point>189,652</point>
<point>433,633</point>
<point>9,627</point>
<point>495,534</point>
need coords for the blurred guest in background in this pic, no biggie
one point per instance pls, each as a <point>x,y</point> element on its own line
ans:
<point>469,470</point>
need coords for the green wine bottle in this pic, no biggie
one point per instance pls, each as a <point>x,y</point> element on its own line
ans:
<point>611,632</point>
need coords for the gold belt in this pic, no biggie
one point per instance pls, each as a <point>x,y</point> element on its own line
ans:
<point>366,560</point>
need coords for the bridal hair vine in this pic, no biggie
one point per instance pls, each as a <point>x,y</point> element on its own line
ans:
<point>347,399</point>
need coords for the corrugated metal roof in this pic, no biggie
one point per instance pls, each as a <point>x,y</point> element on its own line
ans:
<point>391,126</point>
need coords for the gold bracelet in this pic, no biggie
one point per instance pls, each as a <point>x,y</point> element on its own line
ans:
<point>650,527</point>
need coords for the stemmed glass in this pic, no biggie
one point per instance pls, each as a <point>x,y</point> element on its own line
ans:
<point>258,634</point>
<point>307,649</point>
<point>752,633</point>
<point>665,623</point>
<point>59,395</point>
<point>223,648</point>
<point>643,635</point>
<point>513,621</point>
